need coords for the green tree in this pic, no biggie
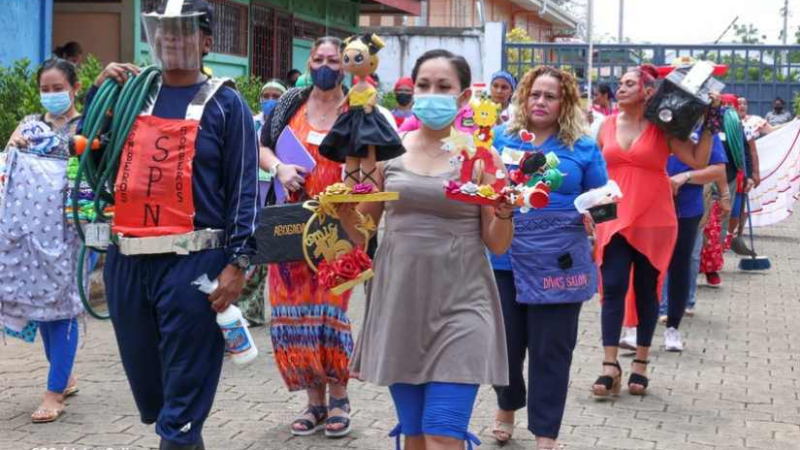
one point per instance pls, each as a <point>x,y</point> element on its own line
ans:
<point>748,34</point>
<point>519,60</point>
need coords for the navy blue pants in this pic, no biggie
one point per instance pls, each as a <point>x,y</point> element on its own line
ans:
<point>680,270</point>
<point>60,339</point>
<point>618,258</point>
<point>548,333</point>
<point>168,338</point>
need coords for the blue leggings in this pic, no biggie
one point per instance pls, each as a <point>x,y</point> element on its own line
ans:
<point>60,338</point>
<point>434,409</point>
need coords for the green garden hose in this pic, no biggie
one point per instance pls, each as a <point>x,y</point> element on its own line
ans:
<point>109,118</point>
<point>732,126</point>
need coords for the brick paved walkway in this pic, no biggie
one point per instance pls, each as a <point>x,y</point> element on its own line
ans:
<point>734,387</point>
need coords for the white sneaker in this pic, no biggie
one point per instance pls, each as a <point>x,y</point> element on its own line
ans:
<point>628,339</point>
<point>672,340</point>
<point>689,312</point>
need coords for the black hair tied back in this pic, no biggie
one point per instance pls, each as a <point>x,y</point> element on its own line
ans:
<point>62,65</point>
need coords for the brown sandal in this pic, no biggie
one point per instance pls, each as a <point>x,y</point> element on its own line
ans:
<point>606,385</point>
<point>43,415</point>
<point>637,383</point>
<point>71,390</point>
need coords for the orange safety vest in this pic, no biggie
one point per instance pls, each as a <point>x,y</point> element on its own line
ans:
<point>153,190</point>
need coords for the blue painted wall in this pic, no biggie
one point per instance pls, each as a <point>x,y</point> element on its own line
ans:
<point>26,30</point>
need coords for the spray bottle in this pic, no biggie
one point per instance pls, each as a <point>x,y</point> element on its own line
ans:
<point>238,341</point>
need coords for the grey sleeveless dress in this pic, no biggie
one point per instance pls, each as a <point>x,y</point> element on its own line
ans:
<point>433,311</point>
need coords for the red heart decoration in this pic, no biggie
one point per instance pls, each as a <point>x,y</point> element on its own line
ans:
<point>526,136</point>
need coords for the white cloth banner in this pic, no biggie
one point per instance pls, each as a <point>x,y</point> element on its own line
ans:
<point>779,161</point>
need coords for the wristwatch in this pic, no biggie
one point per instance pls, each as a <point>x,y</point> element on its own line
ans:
<point>273,170</point>
<point>242,262</point>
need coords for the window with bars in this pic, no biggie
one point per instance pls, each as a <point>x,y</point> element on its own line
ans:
<point>308,30</point>
<point>272,42</point>
<point>230,25</point>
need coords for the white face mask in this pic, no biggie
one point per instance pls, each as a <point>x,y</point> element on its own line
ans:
<point>436,111</point>
<point>56,103</point>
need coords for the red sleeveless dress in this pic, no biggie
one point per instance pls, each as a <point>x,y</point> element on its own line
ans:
<point>646,213</point>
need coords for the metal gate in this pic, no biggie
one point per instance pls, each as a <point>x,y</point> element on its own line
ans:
<point>272,42</point>
<point>757,72</point>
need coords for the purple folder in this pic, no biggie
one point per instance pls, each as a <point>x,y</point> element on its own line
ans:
<point>290,150</point>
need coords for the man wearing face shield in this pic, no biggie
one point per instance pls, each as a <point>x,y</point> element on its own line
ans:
<point>188,172</point>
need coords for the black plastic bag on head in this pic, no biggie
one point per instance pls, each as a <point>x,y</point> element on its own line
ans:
<point>675,109</point>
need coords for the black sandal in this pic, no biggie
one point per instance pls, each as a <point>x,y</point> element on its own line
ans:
<point>344,405</point>
<point>638,379</point>
<point>320,413</point>
<point>606,385</point>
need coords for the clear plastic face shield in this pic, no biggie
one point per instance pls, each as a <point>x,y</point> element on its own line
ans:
<point>176,42</point>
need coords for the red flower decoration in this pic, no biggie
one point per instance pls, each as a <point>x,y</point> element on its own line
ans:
<point>326,275</point>
<point>361,259</point>
<point>346,269</point>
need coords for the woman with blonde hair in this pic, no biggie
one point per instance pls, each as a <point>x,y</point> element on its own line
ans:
<point>548,272</point>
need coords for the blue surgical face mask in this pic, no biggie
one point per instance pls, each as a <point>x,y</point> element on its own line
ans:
<point>326,78</point>
<point>56,103</point>
<point>435,111</point>
<point>267,106</point>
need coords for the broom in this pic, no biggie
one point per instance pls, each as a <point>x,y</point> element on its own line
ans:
<point>737,244</point>
<point>754,262</point>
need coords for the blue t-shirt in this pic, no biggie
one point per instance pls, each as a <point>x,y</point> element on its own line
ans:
<point>689,201</point>
<point>225,166</point>
<point>583,166</point>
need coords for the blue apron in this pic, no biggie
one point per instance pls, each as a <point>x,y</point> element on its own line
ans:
<point>551,258</point>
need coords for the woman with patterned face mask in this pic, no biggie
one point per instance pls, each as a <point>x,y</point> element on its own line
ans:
<point>40,289</point>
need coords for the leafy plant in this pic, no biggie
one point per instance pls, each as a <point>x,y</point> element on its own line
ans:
<point>87,73</point>
<point>250,88</point>
<point>389,100</point>
<point>19,96</point>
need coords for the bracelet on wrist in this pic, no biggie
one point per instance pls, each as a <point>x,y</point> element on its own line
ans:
<point>509,217</point>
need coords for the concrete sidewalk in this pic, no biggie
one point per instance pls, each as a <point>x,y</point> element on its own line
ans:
<point>734,387</point>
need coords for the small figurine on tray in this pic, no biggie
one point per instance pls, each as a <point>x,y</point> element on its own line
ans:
<point>531,183</point>
<point>475,159</point>
<point>362,135</point>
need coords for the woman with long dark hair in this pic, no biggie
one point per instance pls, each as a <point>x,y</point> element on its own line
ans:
<point>38,249</point>
<point>433,332</point>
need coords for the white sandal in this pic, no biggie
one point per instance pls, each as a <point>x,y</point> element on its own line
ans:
<point>505,428</point>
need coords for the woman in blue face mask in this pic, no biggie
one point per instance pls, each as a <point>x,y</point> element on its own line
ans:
<point>270,93</point>
<point>434,329</point>
<point>311,331</point>
<point>35,294</point>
